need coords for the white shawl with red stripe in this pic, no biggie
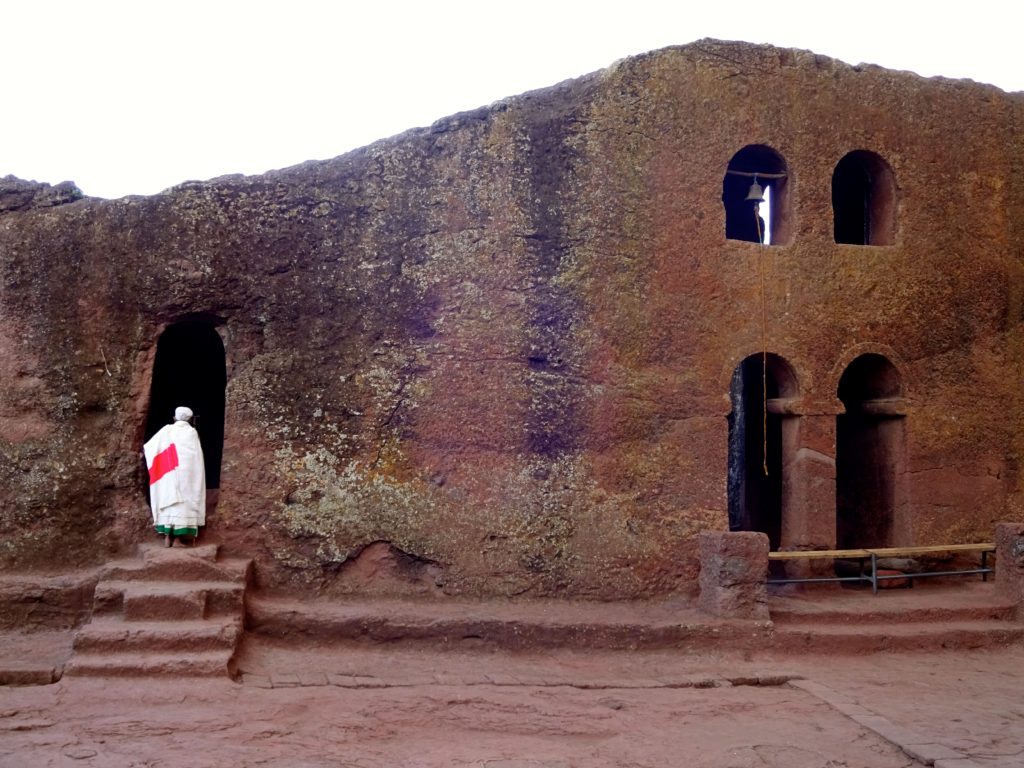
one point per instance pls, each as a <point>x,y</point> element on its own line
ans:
<point>177,479</point>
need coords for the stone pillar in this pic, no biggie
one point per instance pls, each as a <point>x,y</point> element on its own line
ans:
<point>1010,562</point>
<point>733,571</point>
<point>809,521</point>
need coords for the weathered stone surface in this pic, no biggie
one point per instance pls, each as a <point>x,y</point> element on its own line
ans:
<point>32,603</point>
<point>503,345</point>
<point>1010,561</point>
<point>17,194</point>
<point>733,571</point>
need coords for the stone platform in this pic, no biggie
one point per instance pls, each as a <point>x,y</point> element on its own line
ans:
<point>167,613</point>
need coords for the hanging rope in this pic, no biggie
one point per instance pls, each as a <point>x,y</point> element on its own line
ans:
<point>764,344</point>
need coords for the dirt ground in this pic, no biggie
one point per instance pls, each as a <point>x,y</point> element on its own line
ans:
<point>377,706</point>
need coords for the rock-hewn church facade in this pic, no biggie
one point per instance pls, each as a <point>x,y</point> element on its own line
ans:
<point>536,348</point>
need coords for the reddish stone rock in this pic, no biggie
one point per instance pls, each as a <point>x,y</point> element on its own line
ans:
<point>505,345</point>
<point>30,603</point>
<point>892,583</point>
<point>733,574</point>
<point>1010,561</point>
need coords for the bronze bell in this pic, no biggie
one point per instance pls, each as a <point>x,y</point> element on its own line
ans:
<point>756,193</point>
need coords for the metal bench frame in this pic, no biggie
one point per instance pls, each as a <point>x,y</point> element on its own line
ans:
<point>862,555</point>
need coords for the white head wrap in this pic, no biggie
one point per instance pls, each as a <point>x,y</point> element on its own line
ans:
<point>181,413</point>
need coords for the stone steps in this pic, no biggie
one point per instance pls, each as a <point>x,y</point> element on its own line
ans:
<point>163,570</point>
<point>110,636</point>
<point>850,638</point>
<point>149,600</point>
<point>501,625</point>
<point>150,664</point>
<point>960,615</point>
<point>170,611</point>
<point>995,611</point>
<point>949,616</point>
<point>199,562</point>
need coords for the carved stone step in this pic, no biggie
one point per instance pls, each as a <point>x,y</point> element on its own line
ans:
<point>871,638</point>
<point>160,601</point>
<point>173,601</point>
<point>150,664</point>
<point>992,611</point>
<point>113,636</point>
<point>156,553</point>
<point>182,570</point>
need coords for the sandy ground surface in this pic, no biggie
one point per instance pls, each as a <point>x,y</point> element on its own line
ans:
<point>379,706</point>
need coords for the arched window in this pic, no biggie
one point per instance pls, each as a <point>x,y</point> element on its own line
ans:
<point>864,200</point>
<point>744,220</point>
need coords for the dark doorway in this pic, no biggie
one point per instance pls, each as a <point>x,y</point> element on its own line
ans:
<point>190,370</point>
<point>869,454</point>
<point>864,200</point>
<point>757,499</point>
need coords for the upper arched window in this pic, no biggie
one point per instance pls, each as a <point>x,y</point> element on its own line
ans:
<point>864,200</point>
<point>745,219</point>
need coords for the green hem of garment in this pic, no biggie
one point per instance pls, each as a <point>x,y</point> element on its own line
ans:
<point>163,530</point>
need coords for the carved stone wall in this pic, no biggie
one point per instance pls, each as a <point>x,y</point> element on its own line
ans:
<point>500,348</point>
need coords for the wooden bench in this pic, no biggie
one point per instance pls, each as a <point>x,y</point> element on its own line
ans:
<point>873,554</point>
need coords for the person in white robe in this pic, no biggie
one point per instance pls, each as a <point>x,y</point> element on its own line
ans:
<point>177,479</point>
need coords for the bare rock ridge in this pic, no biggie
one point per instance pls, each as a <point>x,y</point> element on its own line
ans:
<point>18,195</point>
<point>176,611</point>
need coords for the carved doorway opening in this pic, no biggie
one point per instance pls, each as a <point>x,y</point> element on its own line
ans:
<point>190,370</point>
<point>758,500</point>
<point>870,454</point>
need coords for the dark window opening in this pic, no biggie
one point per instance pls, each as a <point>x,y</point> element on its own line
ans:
<point>190,370</point>
<point>743,221</point>
<point>869,454</point>
<point>863,200</point>
<point>756,499</point>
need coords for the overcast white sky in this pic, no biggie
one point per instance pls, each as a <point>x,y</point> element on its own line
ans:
<point>131,97</point>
